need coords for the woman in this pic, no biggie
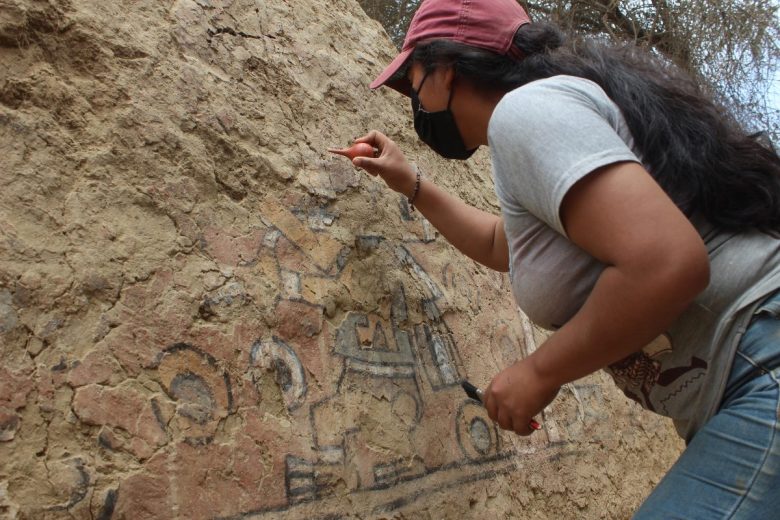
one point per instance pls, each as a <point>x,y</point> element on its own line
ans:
<point>638,221</point>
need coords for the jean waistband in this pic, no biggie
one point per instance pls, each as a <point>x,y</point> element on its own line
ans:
<point>762,345</point>
<point>769,305</point>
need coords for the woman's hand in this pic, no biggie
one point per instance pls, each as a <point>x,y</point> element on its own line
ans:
<point>390,164</point>
<point>476,233</point>
<point>516,395</point>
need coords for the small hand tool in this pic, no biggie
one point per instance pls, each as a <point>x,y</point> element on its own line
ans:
<point>476,394</point>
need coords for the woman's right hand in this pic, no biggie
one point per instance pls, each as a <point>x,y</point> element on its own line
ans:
<point>476,233</point>
<point>390,163</point>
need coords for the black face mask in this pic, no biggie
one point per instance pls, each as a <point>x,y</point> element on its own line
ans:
<point>438,129</point>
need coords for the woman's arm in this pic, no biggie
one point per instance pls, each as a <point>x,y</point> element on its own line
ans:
<point>476,233</point>
<point>656,265</point>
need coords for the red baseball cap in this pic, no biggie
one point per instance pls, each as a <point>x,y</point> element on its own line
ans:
<point>488,24</point>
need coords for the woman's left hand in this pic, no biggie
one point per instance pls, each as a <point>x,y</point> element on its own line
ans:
<point>516,395</point>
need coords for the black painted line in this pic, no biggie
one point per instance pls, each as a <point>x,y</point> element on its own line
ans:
<point>303,490</point>
<point>400,502</point>
<point>301,474</point>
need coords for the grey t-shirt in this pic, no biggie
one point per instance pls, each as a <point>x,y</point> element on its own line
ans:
<point>544,137</point>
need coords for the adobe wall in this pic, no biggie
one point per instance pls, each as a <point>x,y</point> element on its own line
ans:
<point>203,315</point>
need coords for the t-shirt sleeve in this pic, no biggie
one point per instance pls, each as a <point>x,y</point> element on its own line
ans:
<point>547,135</point>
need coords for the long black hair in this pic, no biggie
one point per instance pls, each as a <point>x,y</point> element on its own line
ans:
<point>694,148</point>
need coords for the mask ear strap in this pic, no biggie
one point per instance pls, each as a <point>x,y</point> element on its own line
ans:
<point>452,88</point>
<point>419,87</point>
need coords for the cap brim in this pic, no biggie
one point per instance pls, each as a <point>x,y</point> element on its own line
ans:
<point>401,85</point>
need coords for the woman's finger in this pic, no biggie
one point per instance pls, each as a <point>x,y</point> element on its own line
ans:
<point>490,403</point>
<point>370,137</point>
<point>505,420</point>
<point>522,428</point>
<point>374,138</point>
<point>367,164</point>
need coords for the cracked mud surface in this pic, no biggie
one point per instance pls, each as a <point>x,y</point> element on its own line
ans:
<point>202,315</point>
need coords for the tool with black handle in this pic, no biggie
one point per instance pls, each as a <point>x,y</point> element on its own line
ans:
<point>476,394</point>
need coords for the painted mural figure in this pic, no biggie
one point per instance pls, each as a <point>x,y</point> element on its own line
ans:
<point>417,369</point>
<point>386,362</point>
<point>629,201</point>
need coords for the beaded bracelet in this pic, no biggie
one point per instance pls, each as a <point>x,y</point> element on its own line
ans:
<point>410,200</point>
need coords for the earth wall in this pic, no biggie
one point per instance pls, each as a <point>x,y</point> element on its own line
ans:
<point>203,315</point>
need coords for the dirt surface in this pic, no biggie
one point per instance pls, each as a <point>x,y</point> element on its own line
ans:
<point>203,315</point>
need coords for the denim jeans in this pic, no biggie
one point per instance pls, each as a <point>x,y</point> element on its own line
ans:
<point>731,468</point>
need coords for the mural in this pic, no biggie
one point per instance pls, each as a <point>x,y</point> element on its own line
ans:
<point>203,315</point>
<point>371,404</point>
